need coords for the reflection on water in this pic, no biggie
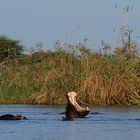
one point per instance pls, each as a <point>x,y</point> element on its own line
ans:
<point>45,123</point>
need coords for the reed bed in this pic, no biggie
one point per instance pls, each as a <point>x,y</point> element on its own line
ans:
<point>46,77</point>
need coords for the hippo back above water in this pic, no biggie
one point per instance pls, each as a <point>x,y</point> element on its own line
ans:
<point>12,117</point>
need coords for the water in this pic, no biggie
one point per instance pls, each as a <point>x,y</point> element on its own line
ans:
<point>45,123</point>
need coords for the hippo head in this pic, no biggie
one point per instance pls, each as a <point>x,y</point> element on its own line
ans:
<point>73,109</point>
<point>19,117</point>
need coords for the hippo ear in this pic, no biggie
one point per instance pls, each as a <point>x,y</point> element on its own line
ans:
<point>18,115</point>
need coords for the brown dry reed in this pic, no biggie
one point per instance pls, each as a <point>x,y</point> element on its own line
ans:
<point>46,77</point>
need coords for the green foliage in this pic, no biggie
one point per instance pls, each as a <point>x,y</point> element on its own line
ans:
<point>9,48</point>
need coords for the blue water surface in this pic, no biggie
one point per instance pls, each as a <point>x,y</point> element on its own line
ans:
<point>45,123</point>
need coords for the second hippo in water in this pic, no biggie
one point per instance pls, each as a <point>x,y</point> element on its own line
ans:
<point>12,117</point>
<point>73,109</point>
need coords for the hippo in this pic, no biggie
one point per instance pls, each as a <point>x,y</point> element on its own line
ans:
<point>73,109</point>
<point>12,117</point>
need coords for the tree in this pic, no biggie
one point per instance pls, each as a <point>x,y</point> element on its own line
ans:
<point>9,48</point>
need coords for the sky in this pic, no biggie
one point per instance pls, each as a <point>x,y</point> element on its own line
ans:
<point>70,21</point>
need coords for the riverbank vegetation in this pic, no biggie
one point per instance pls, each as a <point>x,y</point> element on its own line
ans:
<point>44,77</point>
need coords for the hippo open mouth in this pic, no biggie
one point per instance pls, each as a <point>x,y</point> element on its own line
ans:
<point>73,109</point>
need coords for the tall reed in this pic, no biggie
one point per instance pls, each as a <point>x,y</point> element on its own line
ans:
<point>46,77</point>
